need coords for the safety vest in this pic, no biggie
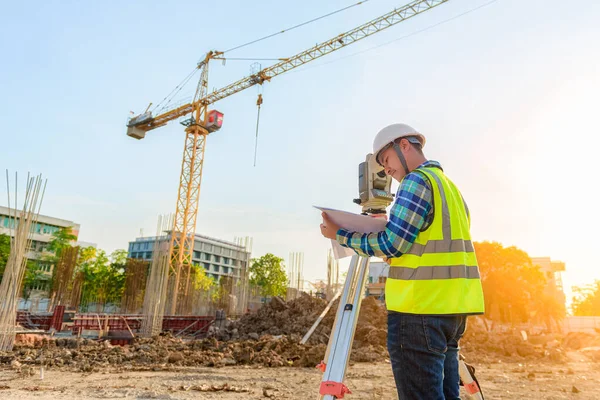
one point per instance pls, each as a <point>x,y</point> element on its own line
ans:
<point>439,274</point>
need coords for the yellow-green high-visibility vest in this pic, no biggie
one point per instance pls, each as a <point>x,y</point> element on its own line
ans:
<point>439,274</point>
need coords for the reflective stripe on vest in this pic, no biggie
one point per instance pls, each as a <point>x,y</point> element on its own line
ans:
<point>439,273</point>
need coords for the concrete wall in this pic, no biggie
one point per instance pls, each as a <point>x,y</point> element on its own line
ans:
<point>581,324</point>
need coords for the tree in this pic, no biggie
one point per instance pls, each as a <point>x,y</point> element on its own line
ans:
<point>268,273</point>
<point>34,275</point>
<point>4,253</point>
<point>33,272</point>
<point>201,281</point>
<point>513,287</point>
<point>86,255</point>
<point>119,257</point>
<point>586,302</point>
<point>104,276</point>
<point>61,239</point>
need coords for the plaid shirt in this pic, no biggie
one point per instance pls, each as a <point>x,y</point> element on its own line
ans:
<point>411,213</point>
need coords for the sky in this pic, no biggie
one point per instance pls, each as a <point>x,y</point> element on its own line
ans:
<point>507,96</point>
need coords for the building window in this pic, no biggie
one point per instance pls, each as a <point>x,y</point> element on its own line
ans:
<point>225,270</point>
<point>226,260</point>
<point>216,268</point>
<point>148,254</point>
<point>217,258</point>
<point>197,254</point>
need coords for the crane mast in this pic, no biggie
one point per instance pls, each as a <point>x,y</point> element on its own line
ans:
<point>183,233</point>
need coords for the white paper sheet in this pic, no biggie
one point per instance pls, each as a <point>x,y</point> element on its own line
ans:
<point>351,222</point>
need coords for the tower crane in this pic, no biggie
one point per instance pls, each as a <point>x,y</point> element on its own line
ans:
<point>202,122</point>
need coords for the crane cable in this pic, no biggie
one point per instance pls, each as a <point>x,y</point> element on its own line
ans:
<point>176,90</point>
<point>296,26</point>
<point>395,40</point>
<point>259,101</point>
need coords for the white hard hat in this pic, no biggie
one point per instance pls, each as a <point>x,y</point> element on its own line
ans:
<point>393,132</point>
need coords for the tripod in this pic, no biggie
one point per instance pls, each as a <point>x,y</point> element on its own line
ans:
<point>337,355</point>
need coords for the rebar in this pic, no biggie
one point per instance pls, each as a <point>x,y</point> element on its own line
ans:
<point>21,223</point>
<point>155,296</point>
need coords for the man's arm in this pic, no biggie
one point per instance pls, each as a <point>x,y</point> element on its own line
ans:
<point>407,216</point>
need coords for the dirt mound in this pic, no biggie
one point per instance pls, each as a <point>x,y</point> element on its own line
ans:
<point>271,338</point>
<point>580,340</point>
<point>480,344</point>
<point>293,318</point>
<point>268,338</point>
<point>162,352</point>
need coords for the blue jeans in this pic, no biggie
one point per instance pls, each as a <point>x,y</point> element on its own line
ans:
<point>424,355</point>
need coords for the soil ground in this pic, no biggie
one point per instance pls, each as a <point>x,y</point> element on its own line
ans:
<point>577,378</point>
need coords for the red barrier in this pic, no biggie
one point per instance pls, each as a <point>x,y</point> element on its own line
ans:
<point>117,322</point>
<point>34,321</point>
<point>57,318</point>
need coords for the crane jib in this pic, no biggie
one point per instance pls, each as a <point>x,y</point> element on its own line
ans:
<point>145,122</point>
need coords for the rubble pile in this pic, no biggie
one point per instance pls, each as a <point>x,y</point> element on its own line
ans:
<point>296,317</point>
<point>293,318</point>
<point>478,343</point>
<point>585,343</point>
<point>271,338</point>
<point>162,352</point>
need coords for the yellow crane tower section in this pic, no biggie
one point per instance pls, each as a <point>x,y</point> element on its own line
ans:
<point>202,122</point>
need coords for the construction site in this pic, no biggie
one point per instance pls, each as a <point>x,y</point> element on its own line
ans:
<point>242,297</point>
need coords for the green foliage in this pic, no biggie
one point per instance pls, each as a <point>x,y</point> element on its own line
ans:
<point>514,289</point>
<point>586,302</point>
<point>104,276</point>
<point>201,280</point>
<point>4,252</point>
<point>86,255</point>
<point>268,273</point>
<point>33,272</point>
<point>61,239</point>
<point>32,278</point>
<point>119,257</point>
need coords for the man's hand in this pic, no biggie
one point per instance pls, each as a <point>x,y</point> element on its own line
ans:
<point>328,227</point>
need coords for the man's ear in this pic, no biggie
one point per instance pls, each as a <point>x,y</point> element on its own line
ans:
<point>404,145</point>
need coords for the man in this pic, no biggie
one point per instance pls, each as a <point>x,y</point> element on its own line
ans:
<point>433,281</point>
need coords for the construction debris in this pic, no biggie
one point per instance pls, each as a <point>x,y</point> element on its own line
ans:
<point>162,352</point>
<point>270,338</point>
